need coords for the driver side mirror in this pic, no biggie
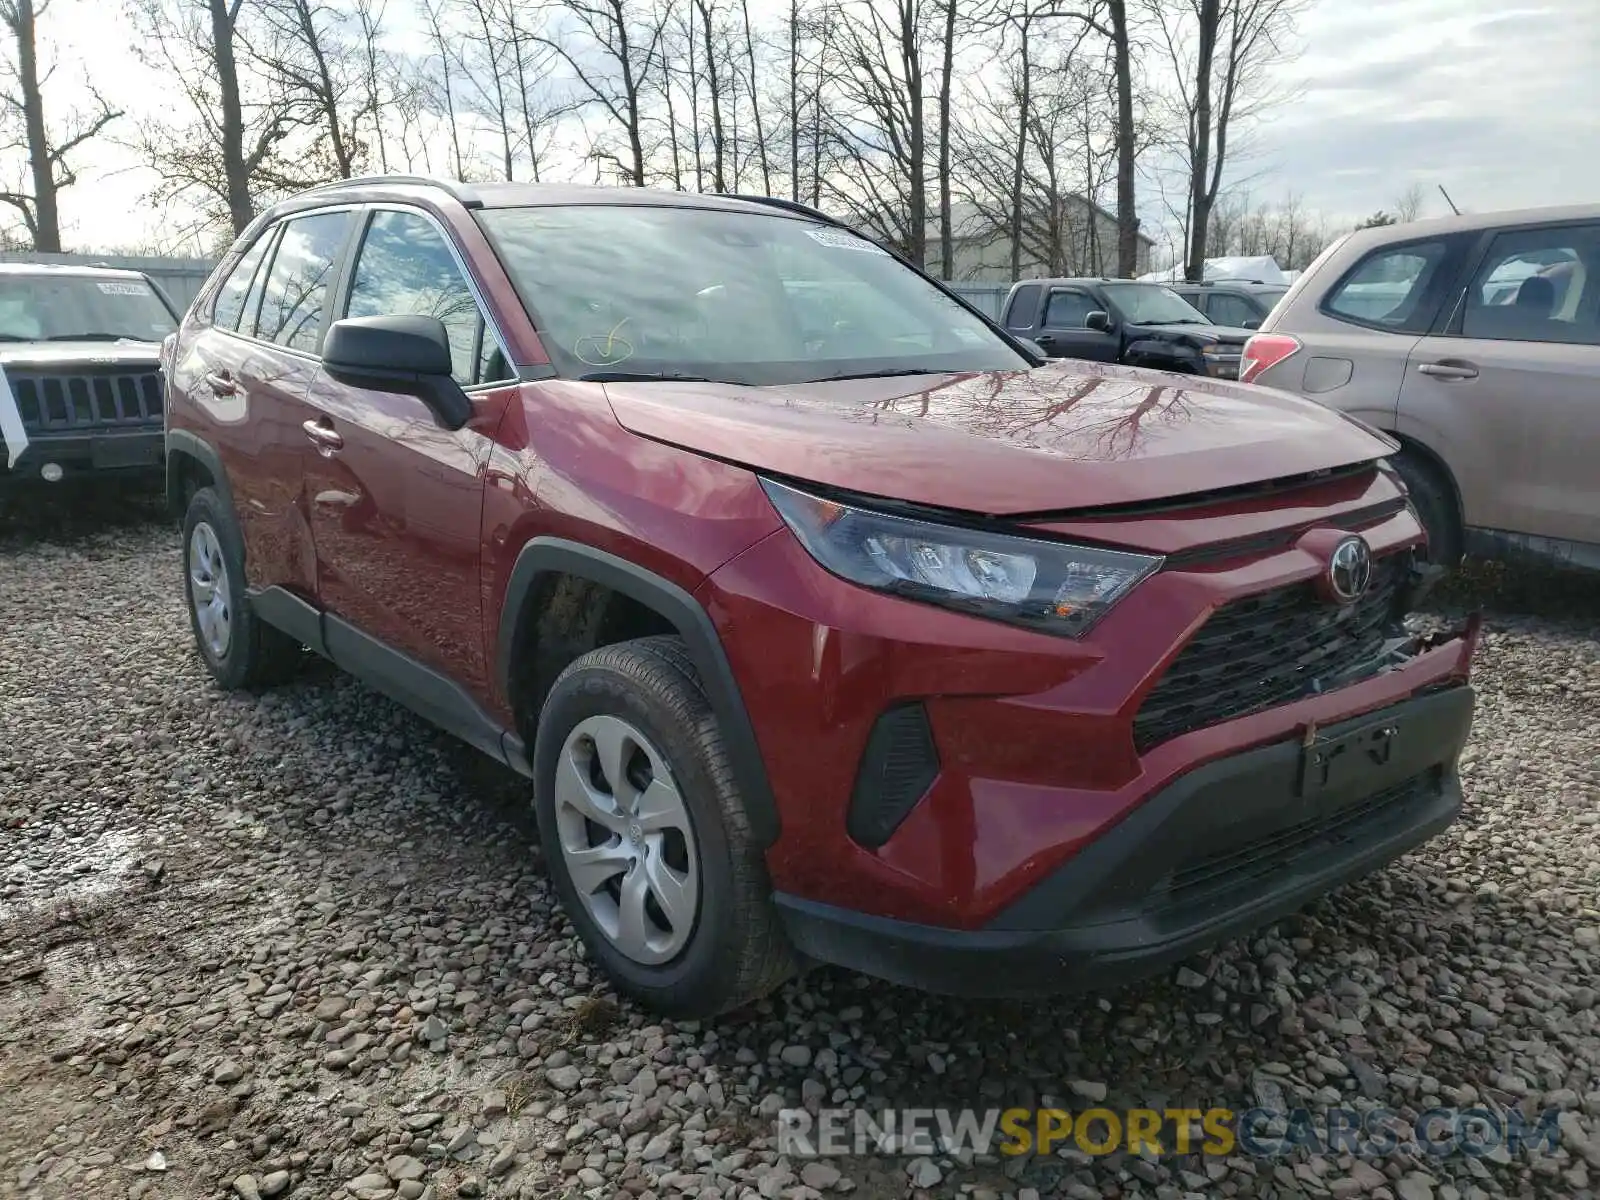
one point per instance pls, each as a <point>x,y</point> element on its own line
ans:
<point>1250,323</point>
<point>1099,321</point>
<point>403,353</point>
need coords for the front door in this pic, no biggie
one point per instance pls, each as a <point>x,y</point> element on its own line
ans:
<point>396,500</point>
<point>1064,334</point>
<point>1506,391</point>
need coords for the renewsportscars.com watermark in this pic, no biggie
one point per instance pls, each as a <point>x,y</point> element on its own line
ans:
<point>1258,1132</point>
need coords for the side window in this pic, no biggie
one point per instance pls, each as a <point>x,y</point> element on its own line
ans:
<point>297,285</point>
<point>1532,287</point>
<point>1024,307</point>
<point>1388,287</point>
<point>1067,310</point>
<point>231,295</point>
<point>405,266</point>
<point>1228,309</point>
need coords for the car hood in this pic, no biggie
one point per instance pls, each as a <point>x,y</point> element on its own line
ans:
<point>95,353</point>
<point>1062,436</point>
<point>1204,333</point>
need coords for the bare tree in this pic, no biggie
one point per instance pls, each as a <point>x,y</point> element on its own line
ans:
<point>439,35</point>
<point>487,72</point>
<point>1116,28</point>
<point>533,64</point>
<point>48,169</point>
<point>316,69</point>
<point>613,57</point>
<point>878,128</point>
<point>1035,196</point>
<point>1285,231</point>
<point>715,84</point>
<point>755,100</point>
<point>222,150</point>
<point>1219,51</point>
<point>1408,205</point>
<point>798,100</point>
<point>375,69</point>
<point>947,71</point>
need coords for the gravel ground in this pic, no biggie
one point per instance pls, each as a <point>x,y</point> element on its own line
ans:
<point>302,945</point>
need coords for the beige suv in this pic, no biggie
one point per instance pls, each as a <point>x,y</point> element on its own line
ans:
<point>1475,342</point>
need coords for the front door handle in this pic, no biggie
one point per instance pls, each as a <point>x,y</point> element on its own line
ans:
<point>221,385</point>
<point>325,439</point>
<point>1449,369</point>
<point>1045,339</point>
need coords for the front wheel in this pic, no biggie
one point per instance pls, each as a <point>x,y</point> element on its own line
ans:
<point>646,836</point>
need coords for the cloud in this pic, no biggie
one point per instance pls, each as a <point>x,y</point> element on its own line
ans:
<point>1495,104</point>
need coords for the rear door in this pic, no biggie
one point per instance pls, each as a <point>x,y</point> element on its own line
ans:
<point>1064,334</point>
<point>247,369</point>
<point>1357,341</point>
<point>396,500</point>
<point>1506,390</point>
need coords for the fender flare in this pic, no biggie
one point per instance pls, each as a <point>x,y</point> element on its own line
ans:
<point>180,443</point>
<point>552,555</point>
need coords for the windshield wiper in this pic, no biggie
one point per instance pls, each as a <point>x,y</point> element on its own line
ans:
<point>94,336</point>
<point>641,377</point>
<point>891,373</point>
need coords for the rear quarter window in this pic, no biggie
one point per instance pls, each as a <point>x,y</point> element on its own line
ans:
<point>1394,287</point>
<point>1024,307</point>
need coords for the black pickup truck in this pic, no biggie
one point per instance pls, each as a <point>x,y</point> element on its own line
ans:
<point>80,397</point>
<point>1121,321</point>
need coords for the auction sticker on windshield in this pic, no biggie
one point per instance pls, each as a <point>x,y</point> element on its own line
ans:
<point>839,239</point>
<point>120,287</point>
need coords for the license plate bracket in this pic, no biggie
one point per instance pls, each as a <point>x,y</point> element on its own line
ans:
<point>1329,761</point>
<point>110,453</point>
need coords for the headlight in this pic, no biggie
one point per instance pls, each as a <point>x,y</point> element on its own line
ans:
<point>1048,586</point>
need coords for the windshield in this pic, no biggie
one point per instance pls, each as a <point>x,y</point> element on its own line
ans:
<point>1152,304</point>
<point>747,298</point>
<point>63,307</point>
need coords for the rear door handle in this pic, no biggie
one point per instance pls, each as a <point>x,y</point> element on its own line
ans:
<point>1045,339</point>
<point>221,385</point>
<point>325,439</point>
<point>1449,370</point>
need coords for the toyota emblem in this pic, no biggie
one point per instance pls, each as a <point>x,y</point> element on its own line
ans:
<point>1349,569</point>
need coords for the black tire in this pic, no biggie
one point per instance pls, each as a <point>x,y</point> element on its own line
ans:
<point>1435,502</point>
<point>256,655</point>
<point>737,951</point>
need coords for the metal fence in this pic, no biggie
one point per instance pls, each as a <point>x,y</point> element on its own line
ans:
<point>986,296</point>
<point>179,279</point>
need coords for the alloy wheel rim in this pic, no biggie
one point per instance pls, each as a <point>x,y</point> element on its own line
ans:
<point>627,839</point>
<point>208,591</point>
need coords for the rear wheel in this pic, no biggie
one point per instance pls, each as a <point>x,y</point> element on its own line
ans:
<point>646,835</point>
<point>239,649</point>
<point>1435,501</point>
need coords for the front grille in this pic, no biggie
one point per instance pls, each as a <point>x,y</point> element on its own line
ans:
<point>1319,837</point>
<point>1266,650</point>
<point>51,401</point>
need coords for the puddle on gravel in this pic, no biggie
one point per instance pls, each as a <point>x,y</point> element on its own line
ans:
<point>79,874</point>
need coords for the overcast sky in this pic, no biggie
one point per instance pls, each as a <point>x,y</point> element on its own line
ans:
<point>1500,104</point>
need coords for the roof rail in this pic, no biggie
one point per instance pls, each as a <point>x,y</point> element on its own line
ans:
<point>793,206</point>
<point>455,190</point>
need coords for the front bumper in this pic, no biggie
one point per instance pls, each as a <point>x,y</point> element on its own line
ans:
<point>83,456</point>
<point>1231,846</point>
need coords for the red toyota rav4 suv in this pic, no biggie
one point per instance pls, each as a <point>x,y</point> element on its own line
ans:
<point>829,623</point>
